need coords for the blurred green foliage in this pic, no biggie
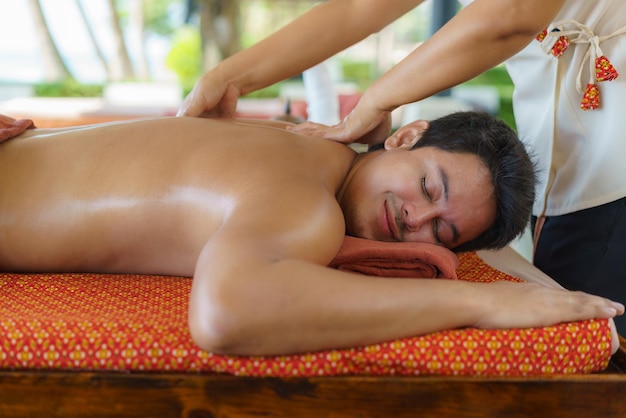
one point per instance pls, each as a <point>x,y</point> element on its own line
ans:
<point>499,78</point>
<point>265,93</point>
<point>185,58</point>
<point>68,88</point>
<point>156,14</point>
<point>359,72</point>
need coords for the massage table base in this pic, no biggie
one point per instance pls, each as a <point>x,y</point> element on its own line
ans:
<point>89,394</point>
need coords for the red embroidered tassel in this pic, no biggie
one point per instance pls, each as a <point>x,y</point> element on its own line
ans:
<point>591,98</point>
<point>605,70</point>
<point>542,35</point>
<point>560,46</point>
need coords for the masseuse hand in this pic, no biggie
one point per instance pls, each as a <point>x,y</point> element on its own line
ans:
<point>365,124</point>
<point>211,97</point>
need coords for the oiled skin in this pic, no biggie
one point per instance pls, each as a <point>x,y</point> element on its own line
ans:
<point>145,196</point>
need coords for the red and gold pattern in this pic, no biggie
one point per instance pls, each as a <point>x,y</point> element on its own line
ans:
<point>560,46</point>
<point>605,70</point>
<point>542,35</point>
<point>601,67</point>
<point>591,98</point>
<point>139,323</point>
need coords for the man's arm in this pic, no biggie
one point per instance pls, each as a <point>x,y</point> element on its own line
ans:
<point>261,287</point>
<point>256,306</point>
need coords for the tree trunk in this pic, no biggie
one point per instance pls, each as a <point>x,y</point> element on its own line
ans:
<point>220,22</point>
<point>94,41</point>
<point>137,23</point>
<point>53,65</point>
<point>121,66</point>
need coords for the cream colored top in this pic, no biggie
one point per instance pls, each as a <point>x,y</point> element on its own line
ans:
<point>580,153</point>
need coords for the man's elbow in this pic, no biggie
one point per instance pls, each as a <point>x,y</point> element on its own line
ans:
<point>210,335</point>
<point>223,320</point>
<point>215,327</point>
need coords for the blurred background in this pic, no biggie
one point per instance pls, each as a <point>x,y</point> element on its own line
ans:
<point>127,58</point>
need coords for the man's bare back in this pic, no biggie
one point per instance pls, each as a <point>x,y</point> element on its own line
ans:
<point>146,196</point>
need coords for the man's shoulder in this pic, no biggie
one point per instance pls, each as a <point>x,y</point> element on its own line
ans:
<point>302,217</point>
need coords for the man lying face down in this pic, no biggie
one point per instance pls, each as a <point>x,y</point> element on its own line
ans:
<point>255,214</point>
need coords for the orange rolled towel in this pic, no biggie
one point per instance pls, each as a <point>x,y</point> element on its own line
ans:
<point>395,259</point>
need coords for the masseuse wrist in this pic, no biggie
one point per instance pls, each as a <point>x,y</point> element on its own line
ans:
<point>234,76</point>
<point>374,100</point>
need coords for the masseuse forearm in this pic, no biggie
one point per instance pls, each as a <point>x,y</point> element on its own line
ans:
<point>479,37</point>
<point>313,37</point>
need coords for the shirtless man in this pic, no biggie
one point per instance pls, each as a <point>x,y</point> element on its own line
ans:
<point>254,214</point>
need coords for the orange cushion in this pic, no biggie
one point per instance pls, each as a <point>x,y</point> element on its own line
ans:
<point>139,323</point>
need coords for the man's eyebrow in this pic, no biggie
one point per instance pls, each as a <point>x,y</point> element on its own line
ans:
<point>444,182</point>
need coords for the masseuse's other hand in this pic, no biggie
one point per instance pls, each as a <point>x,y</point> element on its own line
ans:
<point>210,97</point>
<point>364,124</point>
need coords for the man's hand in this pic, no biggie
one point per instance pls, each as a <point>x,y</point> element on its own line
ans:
<point>526,305</point>
<point>210,97</point>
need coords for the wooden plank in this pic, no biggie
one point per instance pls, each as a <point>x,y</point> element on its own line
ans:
<point>88,394</point>
<point>67,394</point>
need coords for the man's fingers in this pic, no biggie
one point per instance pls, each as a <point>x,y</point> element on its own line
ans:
<point>600,306</point>
<point>619,308</point>
<point>521,305</point>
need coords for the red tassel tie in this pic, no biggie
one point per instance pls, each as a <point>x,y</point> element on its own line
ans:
<point>591,98</point>
<point>605,70</point>
<point>560,46</point>
<point>540,37</point>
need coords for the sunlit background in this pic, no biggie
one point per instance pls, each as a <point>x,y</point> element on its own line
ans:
<point>83,34</point>
<point>113,50</point>
<point>21,55</point>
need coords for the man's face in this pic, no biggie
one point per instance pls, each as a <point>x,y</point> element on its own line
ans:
<point>423,195</point>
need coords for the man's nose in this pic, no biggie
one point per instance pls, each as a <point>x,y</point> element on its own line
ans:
<point>417,215</point>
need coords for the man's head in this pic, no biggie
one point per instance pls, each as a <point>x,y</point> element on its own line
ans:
<point>464,181</point>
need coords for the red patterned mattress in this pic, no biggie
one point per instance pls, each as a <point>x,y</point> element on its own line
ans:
<point>101,322</point>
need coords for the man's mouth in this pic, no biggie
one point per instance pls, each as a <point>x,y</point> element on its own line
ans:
<point>390,226</point>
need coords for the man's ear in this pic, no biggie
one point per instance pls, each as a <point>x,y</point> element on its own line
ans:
<point>407,136</point>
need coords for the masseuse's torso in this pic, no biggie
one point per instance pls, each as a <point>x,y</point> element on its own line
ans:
<point>146,196</point>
